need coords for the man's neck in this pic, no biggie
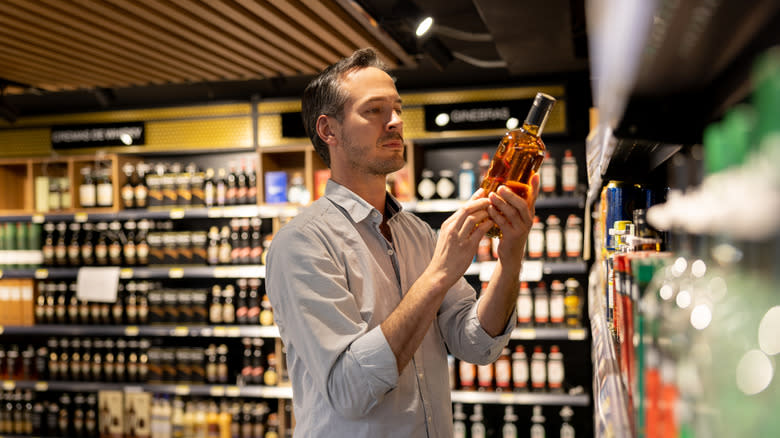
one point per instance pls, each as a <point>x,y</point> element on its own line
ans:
<point>371,188</point>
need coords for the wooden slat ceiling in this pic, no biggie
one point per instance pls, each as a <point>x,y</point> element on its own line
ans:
<point>59,45</point>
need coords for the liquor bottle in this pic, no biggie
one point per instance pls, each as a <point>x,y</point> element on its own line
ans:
<point>198,189</point>
<point>86,249</point>
<point>253,303</point>
<point>555,370</point>
<point>242,301</point>
<point>537,429</point>
<point>572,303</point>
<point>503,370</point>
<point>536,240</point>
<point>520,152</point>
<point>225,249</point>
<point>170,195</point>
<point>541,305</point>
<point>127,191</point>
<point>547,176</point>
<point>48,244</point>
<point>60,303</point>
<point>258,362</point>
<point>485,377</point>
<point>74,247</point>
<point>228,307</point>
<point>244,242</point>
<point>525,305</point>
<point>141,188</point>
<point>215,309</point>
<point>256,241</point>
<point>459,422</point>
<point>467,180</point>
<point>220,188</point>
<point>212,252</point>
<point>569,173</point>
<point>251,183</point>
<point>519,370</point>
<point>142,245</point>
<point>484,165</point>
<point>557,306</point>
<point>467,374</point>
<point>115,245</point>
<point>445,186</point>
<point>231,185</point>
<point>130,250</point>
<point>573,237</point>
<point>154,181</point>
<point>553,238</point>
<point>222,367</point>
<point>242,187</point>
<point>184,185</point>
<point>209,189</point>
<point>538,369</point>
<point>426,188</point>
<point>87,189</point>
<point>477,426</point>
<point>567,430</point>
<point>298,193</point>
<point>105,189</point>
<point>509,430</point>
<point>266,312</point>
<point>61,249</point>
<point>235,241</point>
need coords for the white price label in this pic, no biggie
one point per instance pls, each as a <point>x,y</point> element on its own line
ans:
<point>532,270</point>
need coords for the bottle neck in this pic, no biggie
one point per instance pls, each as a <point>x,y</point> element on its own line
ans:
<point>534,130</point>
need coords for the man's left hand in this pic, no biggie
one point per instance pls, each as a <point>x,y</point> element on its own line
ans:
<point>514,214</point>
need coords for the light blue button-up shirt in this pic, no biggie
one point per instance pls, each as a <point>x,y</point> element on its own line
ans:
<point>332,279</point>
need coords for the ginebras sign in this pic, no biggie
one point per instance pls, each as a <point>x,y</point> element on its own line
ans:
<point>93,135</point>
<point>476,115</point>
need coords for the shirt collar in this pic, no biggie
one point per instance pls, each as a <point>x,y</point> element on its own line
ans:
<point>356,207</point>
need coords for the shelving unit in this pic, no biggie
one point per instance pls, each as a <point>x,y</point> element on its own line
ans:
<point>239,271</point>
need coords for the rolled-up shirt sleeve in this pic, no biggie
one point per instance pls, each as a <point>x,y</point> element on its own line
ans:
<point>319,318</point>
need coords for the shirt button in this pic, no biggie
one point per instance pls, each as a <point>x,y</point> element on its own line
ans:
<point>375,214</point>
<point>389,252</point>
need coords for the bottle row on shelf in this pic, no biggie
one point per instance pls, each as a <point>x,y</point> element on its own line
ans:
<point>547,241</point>
<point>139,361</point>
<point>474,425</point>
<point>513,371</point>
<point>449,184</point>
<point>561,306</point>
<point>149,302</point>
<point>134,415</point>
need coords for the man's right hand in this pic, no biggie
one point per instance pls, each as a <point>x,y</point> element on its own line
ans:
<point>459,238</point>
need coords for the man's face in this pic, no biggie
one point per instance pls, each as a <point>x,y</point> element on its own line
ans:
<point>371,132</point>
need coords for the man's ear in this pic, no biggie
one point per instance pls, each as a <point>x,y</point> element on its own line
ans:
<point>326,129</point>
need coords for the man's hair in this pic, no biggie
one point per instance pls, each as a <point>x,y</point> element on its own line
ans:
<point>324,95</point>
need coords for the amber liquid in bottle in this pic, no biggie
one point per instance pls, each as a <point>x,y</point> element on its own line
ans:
<point>519,154</point>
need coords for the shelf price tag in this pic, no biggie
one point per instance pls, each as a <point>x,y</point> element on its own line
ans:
<point>41,386</point>
<point>41,274</point>
<point>38,218</point>
<point>232,391</point>
<point>176,273</point>
<point>80,217</point>
<point>576,334</point>
<point>222,272</point>
<point>131,330</point>
<point>531,271</point>
<point>126,273</point>
<point>217,391</point>
<point>177,213</point>
<point>506,398</point>
<point>526,334</point>
<point>180,331</point>
<point>220,331</point>
<point>214,212</point>
<point>9,385</point>
<point>182,390</point>
<point>233,332</point>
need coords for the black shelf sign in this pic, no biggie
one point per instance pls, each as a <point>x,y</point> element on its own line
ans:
<point>495,114</point>
<point>101,134</point>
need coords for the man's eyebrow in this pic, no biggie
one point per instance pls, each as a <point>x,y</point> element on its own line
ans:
<point>381,99</point>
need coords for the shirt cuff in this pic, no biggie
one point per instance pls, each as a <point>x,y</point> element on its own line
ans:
<point>375,357</point>
<point>483,338</point>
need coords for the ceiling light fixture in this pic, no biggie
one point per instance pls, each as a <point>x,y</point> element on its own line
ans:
<point>424,26</point>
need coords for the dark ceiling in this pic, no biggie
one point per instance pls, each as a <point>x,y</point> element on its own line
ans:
<point>532,41</point>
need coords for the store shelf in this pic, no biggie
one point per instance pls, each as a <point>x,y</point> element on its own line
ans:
<point>485,269</point>
<point>512,398</point>
<point>552,334</point>
<point>233,331</point>
<point>243,271</point>
<point>256,391</point>
<point>234,211</point>
<point>450,205</point>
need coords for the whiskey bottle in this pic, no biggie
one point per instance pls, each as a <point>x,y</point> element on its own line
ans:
<point>251,184</point>
<point>105,189</point>
<point>256,241</point>
<point>231,187</point>
<point>87,189</point>
<point>48,244</point>
<point>241,184</point>
<point>169,192</point>
<point>225,249</point>
<point>242,301</point>
<point>197,188</point>
<point>142,245</point>
<point>209,188</point>
<point>220,188</point>
<point>154,183</point>
<point>115,245</point>
<point>74,249</point>
<point>61,249</point>
<point>101,247</point>
<point>141,189</point>
<point>127,192</point>
<point>520,153</point>
<point>87,250</point>
<point>130,250</point>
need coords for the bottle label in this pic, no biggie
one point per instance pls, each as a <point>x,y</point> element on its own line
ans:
<point>537,431</point>
<point>466,371</point>
<point>465,184</point>
<point>556,308</point>
<point>535,243</point>
<point>541,310</point>
<point>547,176</point>
<point>524,309</point>
<point>445,188</point>
<point>567,431</point>
<point>459,430</point>
<point>569,177</point>
<point>538,373</point>
<point>555,373</point>
<point>573,242</point>
<point>520,373</point>
<point>509,431</point>
<point>477,430</point>
<point>503,373</point>
<point>105,195</point>
<point>426,189</point>
<point>128,194</point>
<point>87,195</point>
<point>485,375</point>
<point>554,243</point>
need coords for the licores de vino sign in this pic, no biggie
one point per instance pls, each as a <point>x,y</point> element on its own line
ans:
<point>104,134</point>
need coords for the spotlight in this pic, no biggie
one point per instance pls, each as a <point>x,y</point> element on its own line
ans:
<point>424,26</point>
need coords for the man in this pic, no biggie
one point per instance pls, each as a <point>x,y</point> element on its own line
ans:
<point>367,299</point>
